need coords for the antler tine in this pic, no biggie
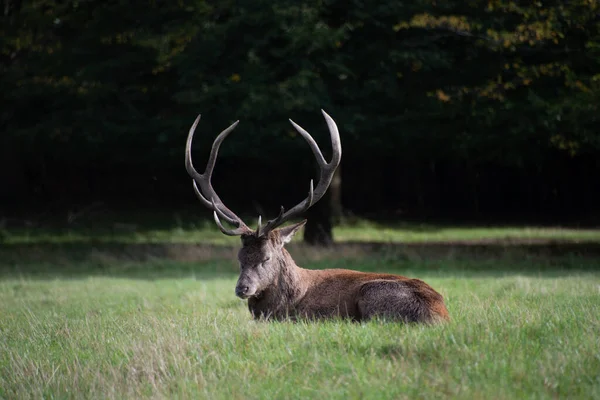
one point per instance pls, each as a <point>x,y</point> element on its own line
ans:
<point>199,195</point>
<point>271,223</point>
<point>311,142</point>
<point>203,186</point>
<point>336,142</point>
<point>327,169</point>
<point>259,225</point>
<point>230,232</point>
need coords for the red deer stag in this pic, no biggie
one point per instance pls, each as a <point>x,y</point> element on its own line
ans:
<point>277,288</point>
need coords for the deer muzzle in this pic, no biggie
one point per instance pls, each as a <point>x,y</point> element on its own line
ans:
<point>241,291</point>
<point>244,291</point>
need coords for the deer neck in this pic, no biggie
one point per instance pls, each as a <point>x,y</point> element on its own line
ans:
<point>290,282</point>
<point>286,290</point>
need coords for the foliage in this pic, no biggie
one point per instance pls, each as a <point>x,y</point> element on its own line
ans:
<point>92,88</point>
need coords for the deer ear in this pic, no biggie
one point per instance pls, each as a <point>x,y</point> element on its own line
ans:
<point>287,233</point>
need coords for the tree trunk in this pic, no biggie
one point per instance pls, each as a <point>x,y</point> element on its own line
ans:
<point>318,231</point>
<point>12,175</point>
<point>320,217</point>
<point>337,211</point>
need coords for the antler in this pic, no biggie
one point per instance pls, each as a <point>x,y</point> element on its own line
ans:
<point>207,195</point>
<point>205,192</point>
<point>326,174</point>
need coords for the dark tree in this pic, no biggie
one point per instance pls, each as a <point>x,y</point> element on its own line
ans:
<point>477,108</point>
<point>319,229</point>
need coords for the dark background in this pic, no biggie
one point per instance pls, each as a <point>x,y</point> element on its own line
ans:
<point>464,111</point>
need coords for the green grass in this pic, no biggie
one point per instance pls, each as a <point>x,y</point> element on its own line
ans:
<point>202,231</point>
<point>104,325</point>
<point>365,231</point>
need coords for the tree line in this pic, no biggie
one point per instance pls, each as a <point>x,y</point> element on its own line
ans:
<point>453,108</point>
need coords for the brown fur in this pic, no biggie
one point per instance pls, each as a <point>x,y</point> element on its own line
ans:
<point>277,288</point>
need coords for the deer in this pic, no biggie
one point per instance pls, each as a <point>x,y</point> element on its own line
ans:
<point>276,288</point>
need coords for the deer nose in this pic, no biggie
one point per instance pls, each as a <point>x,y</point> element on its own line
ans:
<point>240,291</point>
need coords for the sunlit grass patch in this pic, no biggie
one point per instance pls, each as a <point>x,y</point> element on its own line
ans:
<point>205,232</point>
<point>147,329</point>
<point>427,233</point>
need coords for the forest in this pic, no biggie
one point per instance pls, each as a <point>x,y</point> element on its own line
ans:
<point>460,110</point>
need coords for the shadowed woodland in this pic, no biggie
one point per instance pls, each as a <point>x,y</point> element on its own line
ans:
<point>481,111</point>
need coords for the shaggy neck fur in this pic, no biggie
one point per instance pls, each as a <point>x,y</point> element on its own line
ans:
<point>287,289</point>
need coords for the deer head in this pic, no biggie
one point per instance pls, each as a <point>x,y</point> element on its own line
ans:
<point>263,260</point>
<point>262,257</point>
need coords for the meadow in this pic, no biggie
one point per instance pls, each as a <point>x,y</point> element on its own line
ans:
<point>150,315</point>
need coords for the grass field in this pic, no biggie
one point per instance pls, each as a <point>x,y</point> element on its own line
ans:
<point>97,320</point>
<point>190,228</point>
